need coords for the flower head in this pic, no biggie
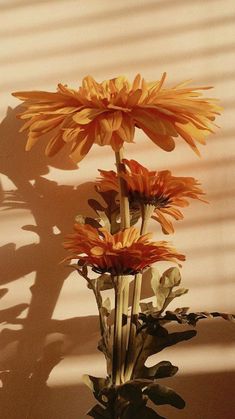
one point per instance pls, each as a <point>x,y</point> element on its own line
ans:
<point>157,188</point>
<point>107,113</point>
<point>123,253</point>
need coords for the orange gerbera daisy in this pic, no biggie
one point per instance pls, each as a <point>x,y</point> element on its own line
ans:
<point>159,189</point>
<point>107,113</point>
<point>123,253</point>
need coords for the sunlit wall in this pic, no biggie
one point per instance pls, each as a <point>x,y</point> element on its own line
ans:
<point>45,42</point>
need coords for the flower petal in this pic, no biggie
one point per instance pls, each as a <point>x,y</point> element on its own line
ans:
<point>38,95</point>
<point>81,148</point>
<point>54,145</point>
<point>167,226</point>
<point>165,142</point>
<point>86,115</point>
<point>127,129</point>
<point>111,121</point>
<point>45,125</point>
<point>187,137</point>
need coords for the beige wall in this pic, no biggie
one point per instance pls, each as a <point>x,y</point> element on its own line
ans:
<point>46,42</point>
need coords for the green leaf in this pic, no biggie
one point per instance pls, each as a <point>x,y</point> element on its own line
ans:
<point>147,308</point>
<point>226,316</point>
<point>104,282</point>
<point>104,220</point>
<point>80,219</point>
<point>98,412</point>
<point>178,293</point>
<point>161,370</point>
<point>135,215</point>
<point>111,211</point>
<point>95,205</point>
<point>96,384</point>
<point>155,343</point>
<point>93,282</point>
<point>131,392</point>
<point>106,350</point>
<point>106,307</point>
<point>181,316</point>
<point>100,388</point>
<point>170,278</point>
<point>154,279</point>
<point>163,289</point>
<point>164,395</point>
<point>144,412</point>
<point>148,413</point>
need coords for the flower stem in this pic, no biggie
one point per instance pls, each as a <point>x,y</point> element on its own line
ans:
<point>114,351</point>
<point>146,212</point>
<point>122,299</point>
<point>124,202</point>
<point>125,301</point>
<point>117,344</point>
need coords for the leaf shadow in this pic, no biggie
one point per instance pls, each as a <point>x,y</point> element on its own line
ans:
<point>53,208</point>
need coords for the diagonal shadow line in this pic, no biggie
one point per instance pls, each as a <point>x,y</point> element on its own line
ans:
<point>129,65</point>
<point>173,58</point>
<point>228,104</point>
<point>221,195</point>
<point>24,3</point>
<point>104,15</point>
<point>95,45</point>
<point>215,78</point>
<point>213,250</point>
<point>198,162</point>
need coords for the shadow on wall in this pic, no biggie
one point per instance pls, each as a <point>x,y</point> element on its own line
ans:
<point>51,205</point>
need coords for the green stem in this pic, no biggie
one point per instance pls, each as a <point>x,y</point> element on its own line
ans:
<point>125,301</point>
<point>123,291</point>
<point>124,202</point>
<point>146,212</point>
<point>114,352</point>
<point>117,346</point>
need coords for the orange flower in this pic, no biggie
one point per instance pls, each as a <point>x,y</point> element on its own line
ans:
<point>126,252</point>
<point>107,113</point>
<point>159,189</point>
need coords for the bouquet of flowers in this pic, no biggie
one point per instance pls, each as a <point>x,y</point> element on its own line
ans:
<point>115,250</point>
